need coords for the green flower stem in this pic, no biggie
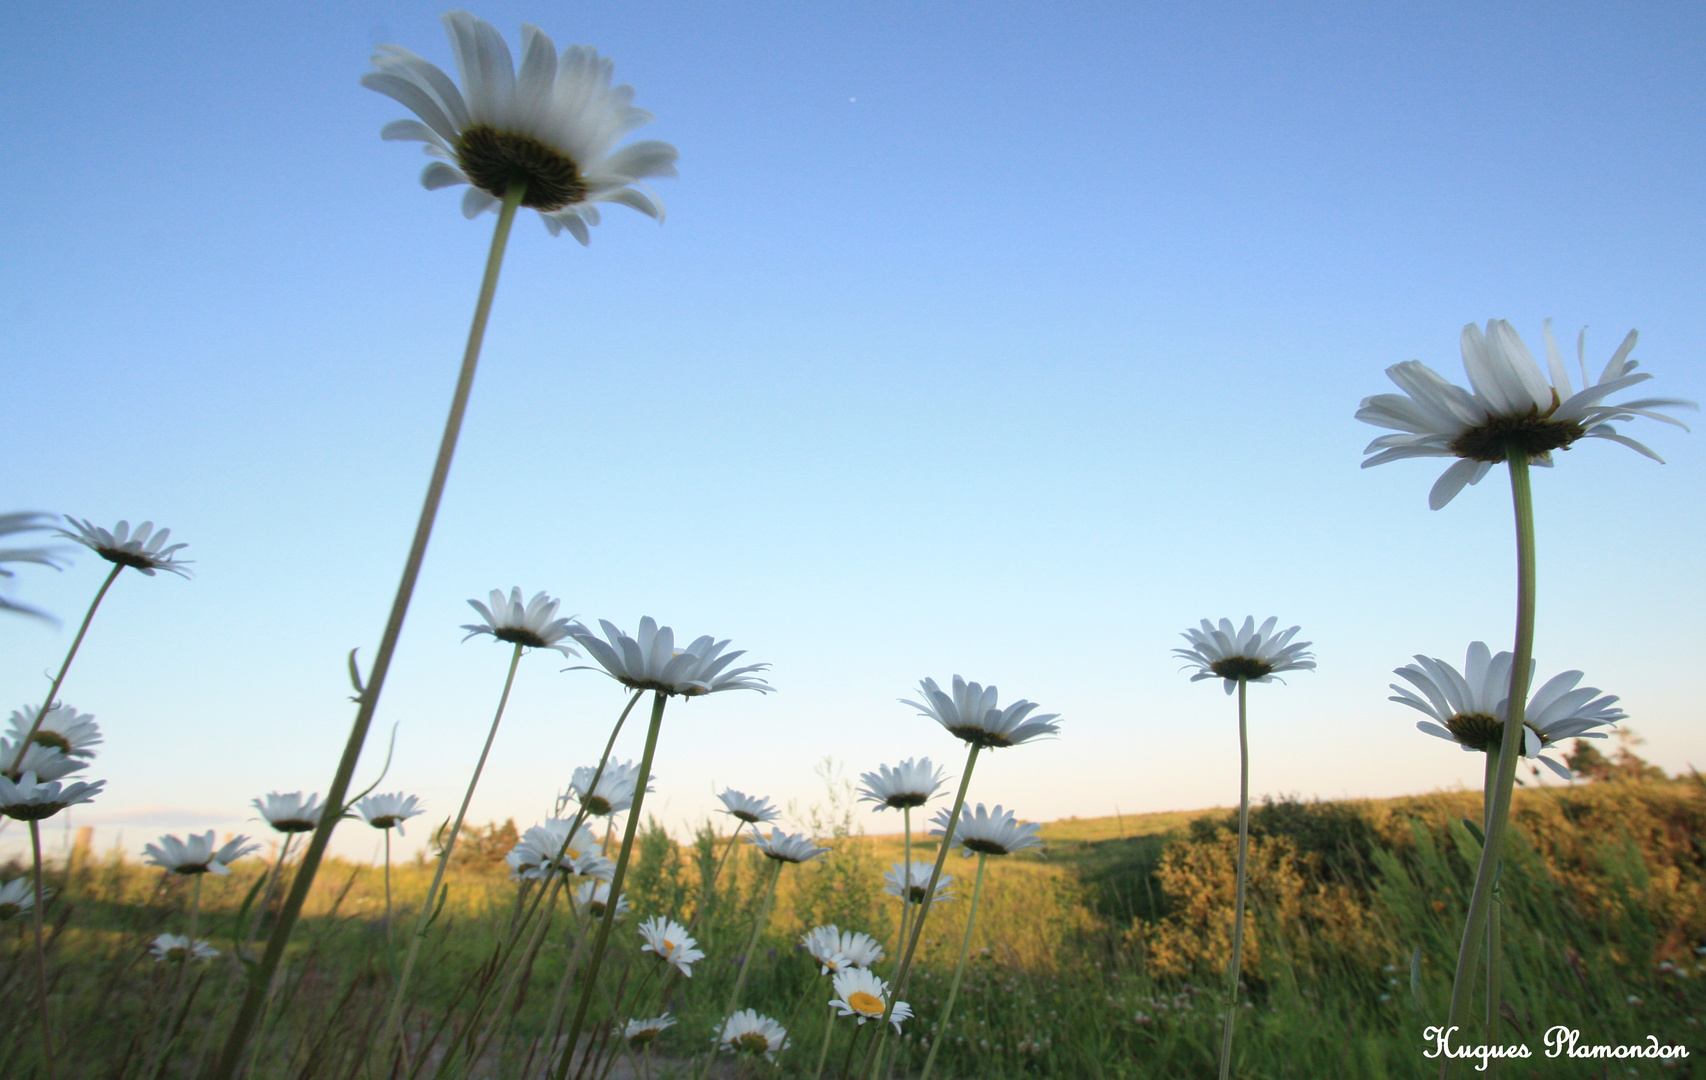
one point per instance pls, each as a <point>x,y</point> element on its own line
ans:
<point>1236,967</point>
<point>959,972</point>
<point>272,886</point>
<point>1510,749</point>
<point>390,941</point>
<point>59,680</point>
<point>906,875</point>
<point>400,992</point>
<point>707,892</point>
<point>254,997</point>
<point>823,1052</point>
<point>41,948</point>
<point>659,698</point>
<point>752,942</point>
<point>847,1062</point>
<point>904,971</point>
<point>1489,783</point>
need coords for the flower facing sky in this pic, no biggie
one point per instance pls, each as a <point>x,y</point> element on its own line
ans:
<point>614,791</point>
<point>63,728</point>
<point>47,762</point>
<point>553,125</point>
<point>290,813</point>
<point>988,832</point>
<point>26,799</point>
<point>671,942</point>
<point>389,811</point>
<point>640,1033</point>
<point>1512,404</point>
<point>914,884</point>
<point>540,844</point>
<point>786,847</point>
<point>1244,653</point>
<point>18,896</point>
<point>835,948</point>
<point>197,855</point>
<point>143,550</point>
<point>592,897</point>
<point>911,783</point>
<point>650,661</point>
<point>751,1032</point>
<point>1470,708</point>
<point>971,714</point>
<point>747,808</point>
<point>176,948</point>
<point>861,994</point>
<point>533,624</point>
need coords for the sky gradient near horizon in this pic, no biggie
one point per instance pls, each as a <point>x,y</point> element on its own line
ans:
<point>1001,340</point>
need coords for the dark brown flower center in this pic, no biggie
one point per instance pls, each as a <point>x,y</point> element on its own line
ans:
<point>752,1043</point>
<point>596,804</point>
<point>494,159</point>
<point>642,1037</point>
<point>1241,667</point>
<point>984,847</point>
<point>132,559</point>
<point>1477,731</point>
<point>384,822</point>
<point>33,811</point>
<point>294,825</point>
<point>520,635</point>
<point>1534,434</point>
<point>906,800</point>
<point>917,893</point>
<point>53,739</point>
<point>978,736</point>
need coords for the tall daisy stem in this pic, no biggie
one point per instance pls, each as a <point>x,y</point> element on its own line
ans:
<point>70,655</point>
<point>1510,749</point>
<point>400,992</point>
<point>823,1052</point>
<point>255,996</point>
<point>390,940</point>
<point>272,887</point>
<point>904,970</point>
<point>906,874</point>
<point>752,942</point>
<point>1236,967</point>
<point>959,971</point>
<point>707,893</point>
<point>41,947</point>
<point>658,701</point>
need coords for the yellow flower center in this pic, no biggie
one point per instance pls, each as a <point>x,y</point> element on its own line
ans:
<point>668,946</point>
<point>868,1004</point>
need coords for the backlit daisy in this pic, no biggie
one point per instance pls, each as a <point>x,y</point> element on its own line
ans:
<point>860,994</point>
<point>540,845</point>
<point>26,799</point>
<point>534,624</point>
<point>746,807</point>
<point>1512,404</point>
<point>18,896</point>
<point>1470,709</point>
<point>1247,652</point>
<point>614,791</point>
<point>988,832</point>
<point>836,949</point>
<point>592,897</point>
<point>787,847</point>
<point>912,885</point>
<point>650,661</point>
<point>197,855</point>
<point>641,1033</point>
<point>750,1032</point>
<point>290,813</point>
<point>389,811</point>
<point>47,762</point>
<point>553,125</point>
<point>143,550</point>
<point>176,948</point>
<point>911,783</point>
<point>671,942</point>
<point>972,715</point>
<point>63,728</point>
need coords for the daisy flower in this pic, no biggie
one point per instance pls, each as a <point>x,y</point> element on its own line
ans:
<point>540,844</point>
<point>787,847</point>
<point>594,866</point>
<point>672,943</point>
<point>26,799</point>
<point>553,125</point>
<point>18,896</point>
<point>1511,404</point>
<point>996,832</point>
<point>143,550</point>
<point>971,714</point>
<point>641,1033</point>
<point>63,728</point>
<point>651,661</point>
<point>750,1032</point>
<point>176,948</point>
<point>911,783</point>
<point>746,807</point>
<point>594,896</point>
<point>389,811</point>
<point>836,949</point>
<point>861,994</point>
<point>197,855</point>
<point>614,791</point>
<point>1470,709</point>
<point>1245,653</point>
<point>47,762</point>
<point>912,884</point>
<point>290,813</point>
<point>22,522</point>
<point>533,624</point>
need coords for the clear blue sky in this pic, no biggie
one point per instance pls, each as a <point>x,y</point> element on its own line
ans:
<point>1006,340</point>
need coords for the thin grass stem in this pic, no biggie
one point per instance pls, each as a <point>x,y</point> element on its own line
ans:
<point>41,947</point>
<point>959,972</point>
<point>752,942</point>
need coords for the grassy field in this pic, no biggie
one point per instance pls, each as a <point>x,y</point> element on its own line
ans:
<point>1106,959</point>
